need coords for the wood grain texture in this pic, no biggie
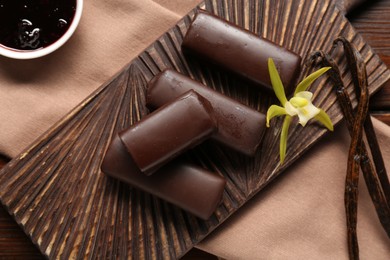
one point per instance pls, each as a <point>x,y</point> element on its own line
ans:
<point>347,6</point>
<point>382,116</point>
<point>55,190</point>
<point>372,22</point>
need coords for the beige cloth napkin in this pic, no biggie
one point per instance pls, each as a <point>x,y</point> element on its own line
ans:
<point>300,216</point>
<point>35,94</point>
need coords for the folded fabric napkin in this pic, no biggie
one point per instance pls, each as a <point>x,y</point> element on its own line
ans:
<point>34,94</point>
<point>301,215</point>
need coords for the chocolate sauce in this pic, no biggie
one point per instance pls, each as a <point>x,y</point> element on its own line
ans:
<point>34,24</point>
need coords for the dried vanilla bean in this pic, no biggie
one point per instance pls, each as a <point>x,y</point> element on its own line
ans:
<point>358,151</point>
<point>370,175</point>
<point>357,77</point>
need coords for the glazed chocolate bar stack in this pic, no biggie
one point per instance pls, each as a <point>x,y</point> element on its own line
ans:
<point>143,155</point>
<point>239,127</point>
<point>149,154</point>
<point>175,127</point>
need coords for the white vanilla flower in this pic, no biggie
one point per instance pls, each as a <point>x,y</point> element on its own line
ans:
<point>299,105</point>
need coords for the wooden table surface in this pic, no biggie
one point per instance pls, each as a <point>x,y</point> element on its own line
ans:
<point>371,19</point>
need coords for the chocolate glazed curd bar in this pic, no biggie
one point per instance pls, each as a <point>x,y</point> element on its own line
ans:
<point>189,187</point>
<point>184,122</point>
<point>240,51</point>
<point>239,127</point>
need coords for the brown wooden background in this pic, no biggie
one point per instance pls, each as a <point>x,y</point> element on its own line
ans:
<point>370,18</point>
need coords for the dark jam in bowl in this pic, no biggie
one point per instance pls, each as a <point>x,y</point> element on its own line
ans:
<point>34,24</point>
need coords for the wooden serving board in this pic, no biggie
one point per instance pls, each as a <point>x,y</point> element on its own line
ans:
<point>70,209</point>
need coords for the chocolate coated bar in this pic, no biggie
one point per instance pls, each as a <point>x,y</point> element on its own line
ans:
<point>239,127</point>
<point>193,189</point>
<point>180,124</point>
<point>240,51</point>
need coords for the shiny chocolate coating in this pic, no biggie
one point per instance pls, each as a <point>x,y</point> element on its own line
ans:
<point>179,125</point>
<point>189,187</point>
<point>239,127</point>
<point>240,51</point>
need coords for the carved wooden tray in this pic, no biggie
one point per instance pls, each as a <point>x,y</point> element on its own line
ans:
<point>70,209</point>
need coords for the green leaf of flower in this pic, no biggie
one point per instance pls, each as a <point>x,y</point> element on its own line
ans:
<point>283,138</point>
<point>273,111</point>
<point>324,119</point>
<point>276,82</point>
<point>306,82</point>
